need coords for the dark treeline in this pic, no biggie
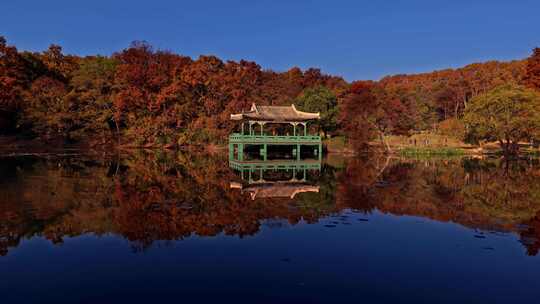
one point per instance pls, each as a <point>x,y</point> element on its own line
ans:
<point>145,97</point>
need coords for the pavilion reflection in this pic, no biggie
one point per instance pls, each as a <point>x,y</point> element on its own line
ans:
<point>277,178</point>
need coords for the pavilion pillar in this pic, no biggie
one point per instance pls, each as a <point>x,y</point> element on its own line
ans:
<point>262,127</point>
<point>305,128</point>
<point>264,152</point>
<point>242,132</point>
<point>297,151</point>
<point>294,127</point>
<point>320,151</point>
<point>240,152</point>
<point>250,128</point>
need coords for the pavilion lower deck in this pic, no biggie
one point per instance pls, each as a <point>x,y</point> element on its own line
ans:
<point>239,144</point>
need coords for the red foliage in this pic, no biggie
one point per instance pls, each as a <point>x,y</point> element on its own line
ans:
<point>356,105</point>
<point>12,77</point>
<point>154,96</point>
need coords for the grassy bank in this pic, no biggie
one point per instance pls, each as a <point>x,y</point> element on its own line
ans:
<point>417,144</point>
<point>433,151</point>
<point>407,145</point>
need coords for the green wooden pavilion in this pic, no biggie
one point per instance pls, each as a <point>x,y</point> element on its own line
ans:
<point>252,130</point>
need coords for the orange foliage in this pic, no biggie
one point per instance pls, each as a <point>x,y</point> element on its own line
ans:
<point>157,98</point>
<point>532,75</point>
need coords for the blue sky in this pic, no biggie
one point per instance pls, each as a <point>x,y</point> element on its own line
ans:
<point>354,39</point>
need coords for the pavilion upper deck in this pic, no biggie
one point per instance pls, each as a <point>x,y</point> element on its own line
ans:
<point>264,115</point>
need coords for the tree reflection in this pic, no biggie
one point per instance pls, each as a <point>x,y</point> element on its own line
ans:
<point>150,196</point>
<point>485,194</point>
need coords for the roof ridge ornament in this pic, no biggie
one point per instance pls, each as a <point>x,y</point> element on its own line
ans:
<point>302,112</point>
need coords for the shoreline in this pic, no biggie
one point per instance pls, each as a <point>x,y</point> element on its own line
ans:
<point>14,145</point>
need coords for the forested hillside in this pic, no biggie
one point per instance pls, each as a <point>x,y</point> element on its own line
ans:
<point>140,96</point>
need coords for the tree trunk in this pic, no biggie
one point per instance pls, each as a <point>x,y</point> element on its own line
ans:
<point>514,148</point>
<point>117,131</point>
<point>504,147</point>
<point>509,148</point>
<point>383,140</point>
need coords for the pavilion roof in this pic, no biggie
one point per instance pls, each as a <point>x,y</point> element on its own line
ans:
<point>275,113</point>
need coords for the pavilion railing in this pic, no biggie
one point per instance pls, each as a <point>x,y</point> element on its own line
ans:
<point>269,139</point>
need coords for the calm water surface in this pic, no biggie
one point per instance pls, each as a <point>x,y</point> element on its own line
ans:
<point>157,226</point>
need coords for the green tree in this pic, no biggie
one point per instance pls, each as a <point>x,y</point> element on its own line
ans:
<point>507,114</point>
<point>92,86</point>
<point>320,99</point>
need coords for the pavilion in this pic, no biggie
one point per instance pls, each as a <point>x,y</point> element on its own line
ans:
<point>264,115</point>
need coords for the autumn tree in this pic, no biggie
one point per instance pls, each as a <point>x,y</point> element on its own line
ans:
<point>59,65</point>
<point>355,111</point>
<point>320,100</point>
<point>532,75</point>
<point>368,112</point>
<point>508,114</point>
<point>10,75</point>
<point>48,112</point>
<point>141,74</point>
<point>46,108</point>
<point>12,85</point>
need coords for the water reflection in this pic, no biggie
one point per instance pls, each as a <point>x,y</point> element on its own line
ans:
<point>150,196</point>
<point>487,194</point>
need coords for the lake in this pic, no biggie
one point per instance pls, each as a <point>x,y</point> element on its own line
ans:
<point>156,226</point>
